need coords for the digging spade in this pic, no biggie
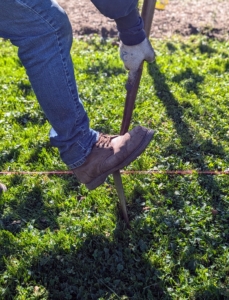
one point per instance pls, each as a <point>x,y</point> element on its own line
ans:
<point>132,89</point>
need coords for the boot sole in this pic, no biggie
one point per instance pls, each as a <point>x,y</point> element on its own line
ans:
<point>100,179</point>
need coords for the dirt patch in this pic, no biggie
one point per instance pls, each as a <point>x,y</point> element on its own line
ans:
<point>182,17</point>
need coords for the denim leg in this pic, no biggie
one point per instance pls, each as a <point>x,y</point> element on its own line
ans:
<point>42,32</point>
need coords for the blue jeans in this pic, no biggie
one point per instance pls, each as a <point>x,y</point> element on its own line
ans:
<point>43,34</point>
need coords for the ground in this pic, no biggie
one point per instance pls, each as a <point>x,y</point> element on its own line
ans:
<point>180,17</point>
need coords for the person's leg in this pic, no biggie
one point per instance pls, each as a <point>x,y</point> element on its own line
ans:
<point>43,35</point>
<point>42,32</point>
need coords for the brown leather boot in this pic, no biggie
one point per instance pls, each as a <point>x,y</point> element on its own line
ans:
<point>111,153</point>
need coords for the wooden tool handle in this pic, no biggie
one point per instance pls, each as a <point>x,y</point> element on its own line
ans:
<point>147,16</point>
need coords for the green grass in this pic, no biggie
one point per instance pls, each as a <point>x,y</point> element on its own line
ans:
<point>60,241</point>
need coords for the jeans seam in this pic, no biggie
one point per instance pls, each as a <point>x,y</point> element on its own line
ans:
<point>57,39</point>
<point>34,11</point>
<point>82,160</point>
<point>77,164</point>
<point>59,48</point>
<point>64,67</point>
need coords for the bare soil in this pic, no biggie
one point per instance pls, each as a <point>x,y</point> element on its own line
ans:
<point>184,17</point>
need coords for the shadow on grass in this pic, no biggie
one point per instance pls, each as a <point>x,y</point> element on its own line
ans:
<point>93,267</point>
<point>35,119</point>
<point>9,154</point>
<point>212,293</point>
<point>100,269</point>
<point>29,204</point>
<point>191,79</point>
<point>192,150</point>
<point>26,88</point>
<point>35,149</point>
<point>27,207</point>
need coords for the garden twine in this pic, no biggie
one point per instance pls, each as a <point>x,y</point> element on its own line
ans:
<point>127,172</point>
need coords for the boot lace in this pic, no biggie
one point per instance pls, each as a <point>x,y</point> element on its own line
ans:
<point>104,140</point>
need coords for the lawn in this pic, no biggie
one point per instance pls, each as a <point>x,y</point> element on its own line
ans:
<point>60,241</point>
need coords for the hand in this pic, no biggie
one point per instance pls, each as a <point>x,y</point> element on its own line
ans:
<point>133,56</point>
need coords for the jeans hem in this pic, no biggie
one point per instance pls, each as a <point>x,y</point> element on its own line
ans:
<point>82,160</point>
<point>77,164</point>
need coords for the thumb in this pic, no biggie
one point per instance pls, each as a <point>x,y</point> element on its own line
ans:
<point>150,56</point>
